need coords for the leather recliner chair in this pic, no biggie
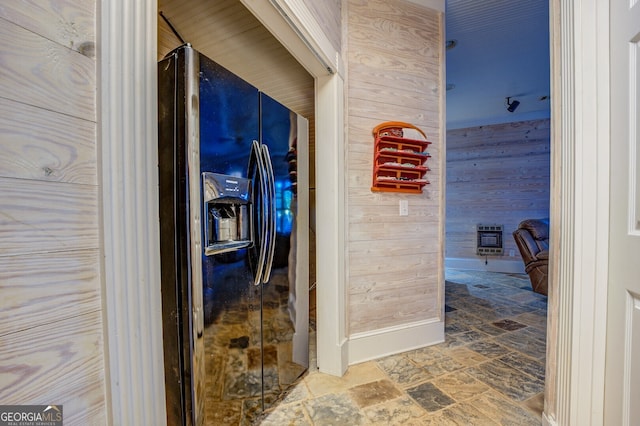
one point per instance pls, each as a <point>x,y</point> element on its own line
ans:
<point>532,239</point>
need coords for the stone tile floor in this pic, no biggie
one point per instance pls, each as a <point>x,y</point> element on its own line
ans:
<point>489,371</point>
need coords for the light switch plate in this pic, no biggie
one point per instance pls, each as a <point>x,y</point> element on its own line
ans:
<point>404,208</point>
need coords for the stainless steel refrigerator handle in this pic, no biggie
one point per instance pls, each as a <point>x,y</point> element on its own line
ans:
<point>263,218</point>
<point>271,192</point>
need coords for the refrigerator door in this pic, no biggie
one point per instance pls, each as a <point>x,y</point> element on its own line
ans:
<point>285,306</point>
<point>235,322</point>
<point>180,236</point>
<point>229,120</point>
<point>229,135</point>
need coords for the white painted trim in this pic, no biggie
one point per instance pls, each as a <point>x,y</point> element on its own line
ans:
<point>591,150</point>
<point>282,25</point>
<point>582,105</point>
<point>332,343</point>
<point>438,5</point>
<point>561,211</point>
<point>301,20</point>
<point>493,265</point>
<point>392,340</point>
<point>129,187</point>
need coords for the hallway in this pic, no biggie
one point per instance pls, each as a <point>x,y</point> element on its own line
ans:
<point>489,371</point>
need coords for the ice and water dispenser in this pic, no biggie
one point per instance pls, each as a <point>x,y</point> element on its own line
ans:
<point>227,207</point>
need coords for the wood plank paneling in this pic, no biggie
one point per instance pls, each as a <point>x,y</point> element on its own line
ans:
<point>51,316</point>
<point>394,73</point>
<point>41,288</point>
<point>57,363</point>
<point>44,145</point>
<point>495,174</point>
<point>40,217</point>
<point>70,23</point>
<point>42,73</point>
<point>328,15</point>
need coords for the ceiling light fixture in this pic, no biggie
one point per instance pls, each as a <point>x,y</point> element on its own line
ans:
<point>512,105</point>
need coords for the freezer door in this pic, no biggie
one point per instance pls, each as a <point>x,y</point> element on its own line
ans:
<point>229,120</point>
<point>180,236</point>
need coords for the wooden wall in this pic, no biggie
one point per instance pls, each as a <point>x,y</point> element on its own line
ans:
<point>394,72</point>
<point>51,331</point>
<point>495,174</point>
<point>328,15</point>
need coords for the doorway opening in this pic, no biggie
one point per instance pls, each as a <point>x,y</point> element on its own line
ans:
<point>498,159</point>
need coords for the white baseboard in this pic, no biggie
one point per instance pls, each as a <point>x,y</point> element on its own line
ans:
<point>492,265</point>
<point>392,340</point>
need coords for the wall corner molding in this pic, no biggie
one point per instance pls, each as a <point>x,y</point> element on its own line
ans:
<point>127,135</point>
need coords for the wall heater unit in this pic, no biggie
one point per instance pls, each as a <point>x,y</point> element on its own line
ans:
<point>489,240</point>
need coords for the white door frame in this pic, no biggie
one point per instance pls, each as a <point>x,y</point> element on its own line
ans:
<point>579,212</point>
<point>128,135</point>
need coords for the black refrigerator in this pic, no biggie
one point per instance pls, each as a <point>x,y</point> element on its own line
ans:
<point>233,188</point>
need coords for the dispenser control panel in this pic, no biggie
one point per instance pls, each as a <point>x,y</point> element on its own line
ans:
<point>227,205</point>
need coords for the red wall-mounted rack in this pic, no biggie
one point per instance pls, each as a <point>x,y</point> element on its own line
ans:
<point>399,163</point>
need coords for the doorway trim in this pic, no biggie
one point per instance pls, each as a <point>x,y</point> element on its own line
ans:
<point>127,147</point>
<point>574,389</point>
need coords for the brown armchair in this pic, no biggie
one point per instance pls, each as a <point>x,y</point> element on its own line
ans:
<point>532,239</point>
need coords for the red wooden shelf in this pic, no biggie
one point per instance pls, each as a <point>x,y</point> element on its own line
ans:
<point>398,162</point>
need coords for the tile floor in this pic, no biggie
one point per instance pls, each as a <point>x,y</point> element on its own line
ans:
<point>489,371</point>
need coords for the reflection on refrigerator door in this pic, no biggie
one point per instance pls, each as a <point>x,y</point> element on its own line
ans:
<point>250,301</point>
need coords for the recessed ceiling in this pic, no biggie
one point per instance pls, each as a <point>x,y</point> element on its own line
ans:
<point>502,50</point>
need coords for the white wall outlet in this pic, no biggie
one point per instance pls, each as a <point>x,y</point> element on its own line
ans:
<point>404,208</point>
<point>512,253</point>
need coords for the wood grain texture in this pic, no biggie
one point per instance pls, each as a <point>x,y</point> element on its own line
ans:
<point>40,217</point>
<point>41,288</point>
<point>498,174</point>
<point>43,73</point>
<point>394,73</point>
<point>328,15</point>
<point>40,144</point>
<point>57,363</point>
<point>70,23</point>
<point>51,331</point>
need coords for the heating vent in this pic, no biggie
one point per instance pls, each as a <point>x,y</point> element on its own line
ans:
<point>489,240</point>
